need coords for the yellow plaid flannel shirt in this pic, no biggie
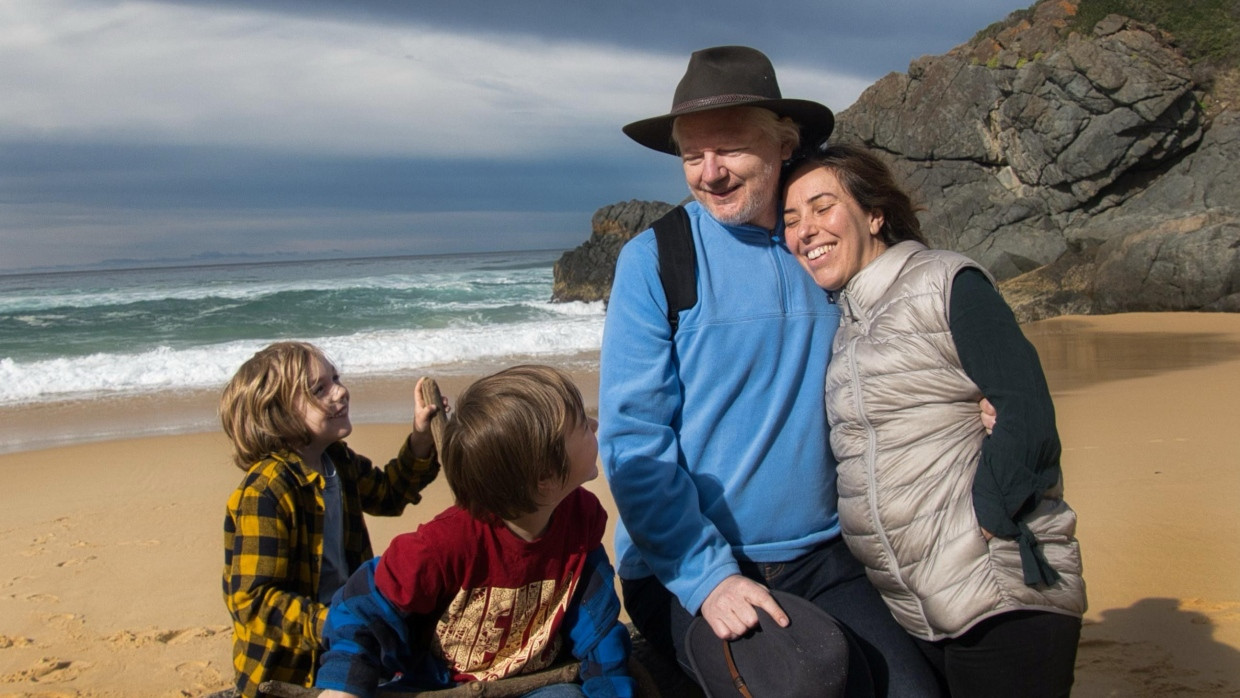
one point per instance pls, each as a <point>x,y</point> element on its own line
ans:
<point>273,546</point>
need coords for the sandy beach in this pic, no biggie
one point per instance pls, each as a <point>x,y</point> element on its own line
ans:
<point>111,551</point>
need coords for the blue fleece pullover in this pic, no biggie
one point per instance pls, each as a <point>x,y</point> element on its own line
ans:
<point>715,442</point>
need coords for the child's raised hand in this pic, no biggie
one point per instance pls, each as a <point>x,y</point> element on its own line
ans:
<point>422,438</point>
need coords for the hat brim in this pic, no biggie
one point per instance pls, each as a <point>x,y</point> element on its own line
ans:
<point>808,658</point>
<point>816,122</point>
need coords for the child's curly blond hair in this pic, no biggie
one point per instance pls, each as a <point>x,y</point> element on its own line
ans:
<point>259,406</point>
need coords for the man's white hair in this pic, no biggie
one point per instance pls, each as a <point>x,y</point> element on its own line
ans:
<point>781,129</point>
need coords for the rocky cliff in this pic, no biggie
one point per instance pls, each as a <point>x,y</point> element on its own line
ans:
<point>1082,169</point>
<point>585,273</point>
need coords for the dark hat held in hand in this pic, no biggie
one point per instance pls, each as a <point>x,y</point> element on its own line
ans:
<point>807,659</point>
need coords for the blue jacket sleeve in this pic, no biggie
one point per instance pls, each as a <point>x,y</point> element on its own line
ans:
<point>598,639</point>
<point>640,406</point>
<point>368,641</point>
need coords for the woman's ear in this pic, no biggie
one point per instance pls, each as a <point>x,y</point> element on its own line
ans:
<point>876,221</point>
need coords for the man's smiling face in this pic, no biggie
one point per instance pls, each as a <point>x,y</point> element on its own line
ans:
<point>731,166</point>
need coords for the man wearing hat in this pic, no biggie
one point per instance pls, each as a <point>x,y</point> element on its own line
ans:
<point>714,435</point>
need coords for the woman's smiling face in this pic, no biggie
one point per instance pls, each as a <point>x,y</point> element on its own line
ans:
<point>827,230</point>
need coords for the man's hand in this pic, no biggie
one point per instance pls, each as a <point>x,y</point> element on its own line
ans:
<point>336,694</point>
<point>989,416</point>
<point>729,609</point>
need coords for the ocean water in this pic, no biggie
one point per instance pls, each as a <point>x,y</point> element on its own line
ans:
<point>80,335</point>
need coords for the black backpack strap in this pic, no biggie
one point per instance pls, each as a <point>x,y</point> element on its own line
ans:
<point>677,262</point>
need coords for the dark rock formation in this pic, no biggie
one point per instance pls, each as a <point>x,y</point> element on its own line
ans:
<point>1175,245</point>
<point>1081,170</point>
<point>1005,158</point>
<point>585,273</point>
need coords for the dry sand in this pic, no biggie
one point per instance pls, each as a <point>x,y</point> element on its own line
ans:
<point>110,552</point>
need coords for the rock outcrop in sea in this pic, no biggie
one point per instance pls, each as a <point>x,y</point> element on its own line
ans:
<point>585,273</point>
<point>1085,171</point>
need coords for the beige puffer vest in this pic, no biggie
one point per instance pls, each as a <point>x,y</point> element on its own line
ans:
<point>905,428</point>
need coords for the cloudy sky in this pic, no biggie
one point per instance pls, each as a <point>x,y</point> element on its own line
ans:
<point>159,130</point>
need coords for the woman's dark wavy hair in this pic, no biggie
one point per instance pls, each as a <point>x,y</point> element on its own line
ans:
<point>871,183</point>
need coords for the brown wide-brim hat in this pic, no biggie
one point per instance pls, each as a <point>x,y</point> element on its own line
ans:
<point>731,76</point>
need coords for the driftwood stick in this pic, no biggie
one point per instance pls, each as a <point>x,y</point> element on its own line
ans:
<point>432,396</point>
<point>502,688</point>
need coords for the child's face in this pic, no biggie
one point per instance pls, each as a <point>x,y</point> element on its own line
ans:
<point>327,416</point>
<point>581,445</point>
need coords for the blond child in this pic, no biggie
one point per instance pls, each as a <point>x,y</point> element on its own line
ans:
<point>294,530</point>
<point>509,579</point>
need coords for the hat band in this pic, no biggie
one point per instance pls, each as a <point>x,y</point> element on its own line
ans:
<point>737,682</point>
<point>696,104</point>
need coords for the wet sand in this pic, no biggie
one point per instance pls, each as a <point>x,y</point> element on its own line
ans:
<point>111,549</point>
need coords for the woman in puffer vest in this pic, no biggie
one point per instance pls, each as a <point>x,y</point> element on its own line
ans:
<point>966,535</point>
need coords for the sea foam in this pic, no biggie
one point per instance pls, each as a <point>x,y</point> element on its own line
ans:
<point>371,353</point>
<point>115,332</point>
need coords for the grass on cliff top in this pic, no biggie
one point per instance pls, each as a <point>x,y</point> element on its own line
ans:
<point>1013,18</point>
<point>1205,30</point>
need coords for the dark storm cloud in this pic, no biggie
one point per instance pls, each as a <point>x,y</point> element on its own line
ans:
<point>863,38</point>
<point>185,127</point>
<point>107,175</point>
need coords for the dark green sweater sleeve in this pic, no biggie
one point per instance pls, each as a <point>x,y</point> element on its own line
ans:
<point>1020,460</point>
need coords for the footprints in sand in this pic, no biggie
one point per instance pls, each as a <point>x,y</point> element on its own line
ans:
<point>69,628</point>
<point>56,538</point>
<point>150,542</point>
<point>202,675</point>
<point>47,670</point>
<point>1219,611</point>
<point>1145,668</point>
<point>14,580</point>
<point>71,624</point>
<point>18,667</point>
<point>142,638</point>
<point>1159,647</point>
<point>57,637</point>
<point>7,642</point>
<point>44,670</point>
<point>61,544</point>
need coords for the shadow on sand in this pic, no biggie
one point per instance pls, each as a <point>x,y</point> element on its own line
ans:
<point>1156,647</point>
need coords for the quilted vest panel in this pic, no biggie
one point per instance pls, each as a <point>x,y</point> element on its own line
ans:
<point>905,428</point>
